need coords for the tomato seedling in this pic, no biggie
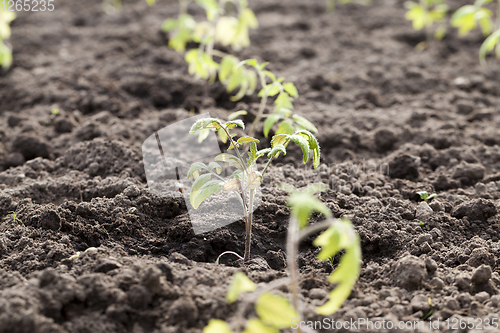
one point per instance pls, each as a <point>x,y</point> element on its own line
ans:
<point>426,14</point>
<point>246,179</point>
<point>424,195</point>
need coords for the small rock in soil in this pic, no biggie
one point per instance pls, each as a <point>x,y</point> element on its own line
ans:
<point>410,272</point>
<point>405,167</point>
<point>30,147</point>
<point>475,210</point>
<point>423,210</point>
<point>481,275</point>
<point>472,171</point>
<point>481,256</point>
<point>385,140</point>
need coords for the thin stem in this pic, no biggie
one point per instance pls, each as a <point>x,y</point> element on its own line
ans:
<point>248,240</point>
<point>267,165</point>
<point>262,106</point>
<point>292,249</point>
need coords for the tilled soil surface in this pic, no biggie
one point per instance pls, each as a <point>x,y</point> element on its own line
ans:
<point>392,121</point>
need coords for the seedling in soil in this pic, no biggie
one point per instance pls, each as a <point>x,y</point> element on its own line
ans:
<point>423,225</point>
<point>426,14</point>
<point>5,52</point>
<point>244,76</point>
<point>246,179</point>
<point>15,217</point>
<point>424,195</point>
<point>276,312</point>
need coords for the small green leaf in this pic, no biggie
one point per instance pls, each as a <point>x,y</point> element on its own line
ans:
<point>234,123</point>
<point>217,326</point>
<point>208,189</point>
<point>236,114</point>
<point>313,146</point>
<point>247,139</point>
<point>488,45</point>
<point>222,135</point>
<point>304,204</point>
<point>304,145</point>
<point>270,75</point>
<point>279,139</point>
<point>276,150</point>
<point>262,152</point>
<point>168,25</point>
<point>285,127</point>
<point>198,183</point>
<point>232,160</point>
<point>195,168</point>
<point>232,185</point>
<point>270,121</point>
<point>255,325</point>
<point>290,89</point>
<point>275,310</point>
<point>215,166</point>
<point>304,123</point>
<point>254,180</point>
<point>205,123</point>
<point>239,284</point>
<point>204,133</point>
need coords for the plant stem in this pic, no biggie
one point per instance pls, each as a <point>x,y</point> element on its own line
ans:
<point>262,106</point>
<point>267,165</point>
<point>248,240</point>
<point>292,252</point>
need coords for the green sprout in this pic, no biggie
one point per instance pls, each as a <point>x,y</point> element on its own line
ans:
<point>276,312</point>
<point>5,52</point>
<point>424,195</point>
<point>15,217</point>
<point>246,178</point>
<point>426,14</point>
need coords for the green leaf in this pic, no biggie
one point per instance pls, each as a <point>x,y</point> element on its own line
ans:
<point>279,139</point>
<point>226,67</point>
<point>250,62</point>
<point>234,123</point>
<point>303,144</point>
<point>270,75</point>
<point>209,188</point>
<point>417,14</point>
<point>284,101</point>
<point>151,2</point>
<point>222,135</point>
<point>232,160</point>
<point>248,18</point>
<point>232,185</point>
<point>255,325</point>
<point>275,310</point>
<point>205,123</point>
<point>247,139</point>
<point>269,123</point>
<point>215,166</point>
<point>194,170</point>
<point>204,133</point>
<point>225,30</point>
<point>236,114</point>
<point>262,152</point>
<point>488,45</point>
<point>304,204</point>
<point>285,127</point>
<point>340,235</point>
<point>254,180</point>
<point>239,284</point>
<point>313,146</point>
<point>276,150</point>
<point>282,111</point>
<point>291,90</point>
<point>217,326</point>
<point>198,183</point>
<point>304,123</point>
<point>287,187</point>
<point>169,25</point>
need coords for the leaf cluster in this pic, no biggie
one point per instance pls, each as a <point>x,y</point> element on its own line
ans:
<point>427,13</point>
<point>245,177</point>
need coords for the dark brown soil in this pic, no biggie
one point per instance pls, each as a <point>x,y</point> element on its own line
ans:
<point>392,121</point>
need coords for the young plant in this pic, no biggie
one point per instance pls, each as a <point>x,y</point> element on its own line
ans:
<point>424,195</point>
<point>5,52</point>
<point>243,76</point>
<point>15,217</point>
<point>276,312</point>
<point>246,179</point>
<point>468,18</point>
<point>426,14</point>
